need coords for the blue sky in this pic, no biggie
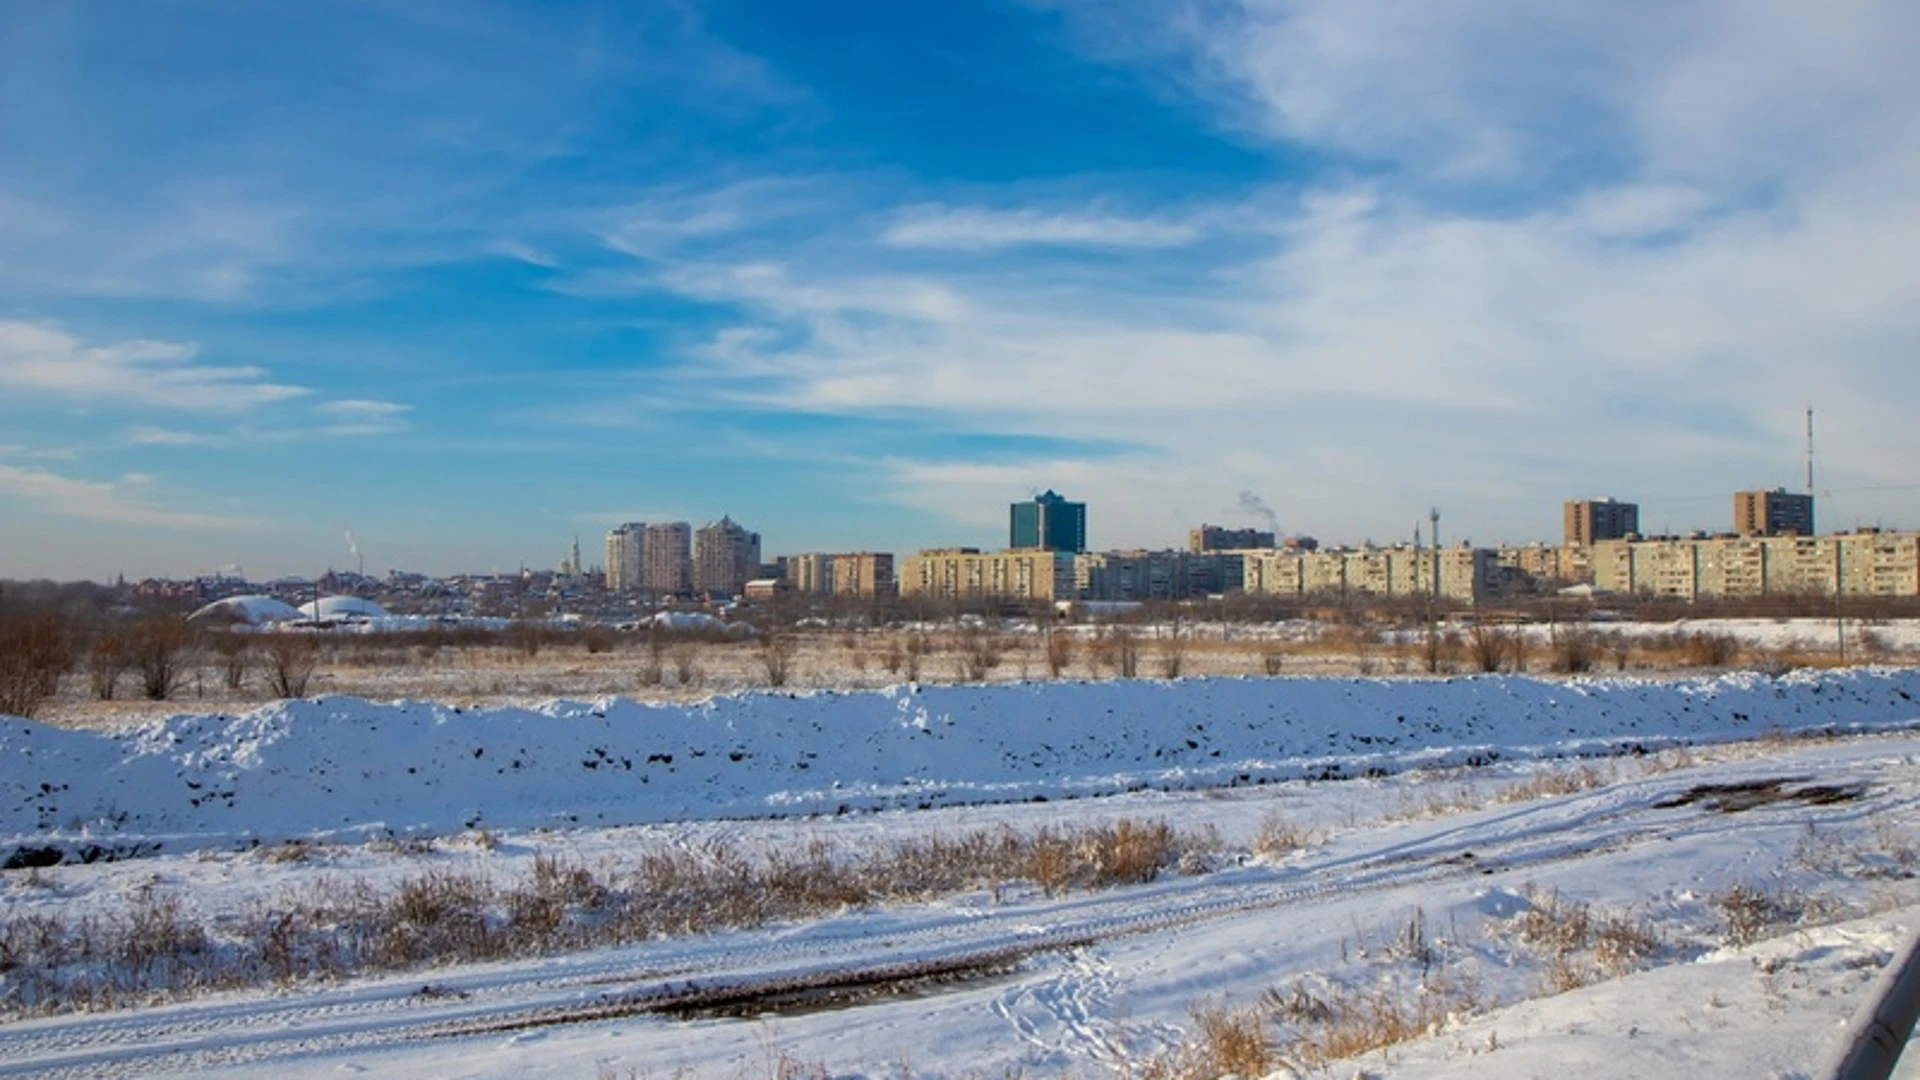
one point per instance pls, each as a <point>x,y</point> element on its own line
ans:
<point>472,278</point>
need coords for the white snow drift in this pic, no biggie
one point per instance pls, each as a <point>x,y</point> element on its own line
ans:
<point>346,768</point>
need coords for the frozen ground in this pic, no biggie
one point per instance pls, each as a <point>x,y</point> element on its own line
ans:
<point>353,664</point>
<point>1415,883</point>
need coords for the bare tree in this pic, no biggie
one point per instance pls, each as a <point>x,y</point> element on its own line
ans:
<point>161,646</point>
<point>1059,651</point>
<point>291,658</point>
<point>235,653</point>
<point>1126,652</point>
<point>34,653</point>
<point>776,655</point>
<point>1492,648</point>
<point>107,661</point>
<point>1173,652</point>
<point>651,669</point>
<point>686,663</point>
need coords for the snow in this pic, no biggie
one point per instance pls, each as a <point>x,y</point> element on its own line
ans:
<point>1107,978</point>
<point>254,610</point>
<point>344,769</point>
<point>342,607</point>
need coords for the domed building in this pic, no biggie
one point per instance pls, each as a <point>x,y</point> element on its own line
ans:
<point>247,611</point>
<point>336,608</point>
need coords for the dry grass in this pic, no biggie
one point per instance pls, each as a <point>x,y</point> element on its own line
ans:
<point>153,948</point>
<point>1579,945</point>
<point>1279,836</point>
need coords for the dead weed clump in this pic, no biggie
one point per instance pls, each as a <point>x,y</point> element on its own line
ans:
<point>1578,944</point>
<point>155,947</point>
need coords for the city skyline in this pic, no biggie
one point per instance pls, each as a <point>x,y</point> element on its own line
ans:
<point>466,280</point>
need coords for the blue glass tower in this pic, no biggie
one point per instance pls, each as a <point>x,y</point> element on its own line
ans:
<point>1048,521</point>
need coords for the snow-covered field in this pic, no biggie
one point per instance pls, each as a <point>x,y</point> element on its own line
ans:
<point>1727,931</point>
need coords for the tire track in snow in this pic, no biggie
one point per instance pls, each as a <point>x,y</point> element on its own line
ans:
<point>1060,1013</point>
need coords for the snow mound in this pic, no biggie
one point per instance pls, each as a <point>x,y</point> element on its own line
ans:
<point>252,610</point>
<point>344,768</point>
<point>342,607</point>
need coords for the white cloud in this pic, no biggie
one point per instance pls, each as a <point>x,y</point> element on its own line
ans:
<point>40,359</point>
<point>968,228</point>
<point>109,502</point>
<point>146,435</point>
<point>358,416</point>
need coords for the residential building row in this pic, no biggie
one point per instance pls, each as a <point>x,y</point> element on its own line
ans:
<point>673,559</point>
<point>855,573</point>
<point>1869,562</point>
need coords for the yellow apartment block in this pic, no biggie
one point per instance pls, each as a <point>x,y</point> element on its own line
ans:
<point>1465,572</point>
<point>969,574</point>
<point>1866,563</point>
<point>1543,562</point>
<point>863,573</point>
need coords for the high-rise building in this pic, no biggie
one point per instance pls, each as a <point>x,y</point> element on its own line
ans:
<point>1217,538</point>
<point>666,559</point>
<point>725,557</point>
<point>1588,520</point>
<point>1048,521</point>
<point>625,560</point>
<point>1772,513</point>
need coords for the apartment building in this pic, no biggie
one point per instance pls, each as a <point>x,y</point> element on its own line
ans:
<point>725,557</point>
<point>1028,574</point>
<point>666,559</point>
<point>1219,538</point>
<point>809,574</point>
<point>1588,520</point>
<point>1465,574</point>
<point>851,573</point>
<point>625,547</point>
<point>863,573</point>
<point>1772,513</point>
<point>1865,563</point>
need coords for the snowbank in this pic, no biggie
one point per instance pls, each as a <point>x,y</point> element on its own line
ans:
<point>345,768</point>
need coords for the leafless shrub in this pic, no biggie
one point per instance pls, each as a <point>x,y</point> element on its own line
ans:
<point>1272,660</point>
<point>918,646</point>
<point>1750,911</point>
<point>597,639</point>
<point>235,653</point>
<point>1126,652</point>
<point>1575,651</point>
<point>1059,647</point>
<point>107,661</point>
<point>979,652</point>
<point>652,670</point>
<point>1620,648</point>
<point>1279,835</point>
<point>160,645</point>
<point>893,657</point>
<point>1173,654</point>
<point>686,663</point>
<point>34,654</point>
<point>776,656</point>
<point>1711,650</point>
<point>1491,647</point>
<point>291,657</point>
